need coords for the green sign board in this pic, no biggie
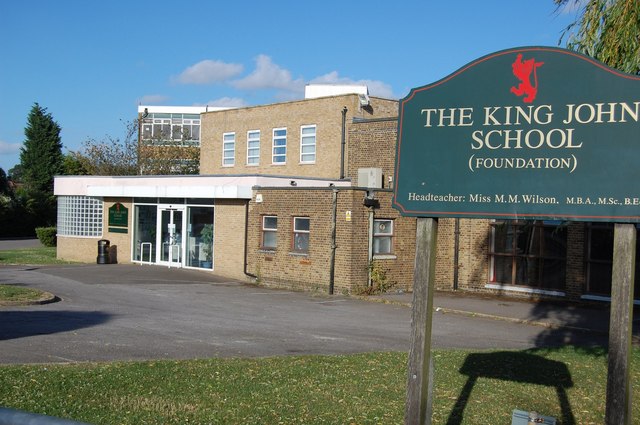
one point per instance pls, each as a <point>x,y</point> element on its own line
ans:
<point>118,215</point>
<point>525,133</point>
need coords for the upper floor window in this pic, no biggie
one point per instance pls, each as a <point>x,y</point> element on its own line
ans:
<point>308,144</point>
<point>228,149</point>
<point>269,232</point>
<point>301,231</point>
<point>253,147</point>
<point>279,153</point>
<point>170,129</point>
<point>383,236</point>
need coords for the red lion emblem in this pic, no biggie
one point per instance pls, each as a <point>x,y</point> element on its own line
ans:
<point>522,71</point>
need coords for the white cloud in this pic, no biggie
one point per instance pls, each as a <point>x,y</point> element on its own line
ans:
<point>7,148</point>
<point>268,75</point>
<point>228,102</point>
<point>152,99</point>
<point>376,88</point>
<point>209,72</point>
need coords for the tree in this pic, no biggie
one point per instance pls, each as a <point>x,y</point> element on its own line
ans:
<point>73,165</point>
<point>4,183</point>
<point>607,30</point>
<point>126,157</point>
<point>15,174</point>
<point>41,153</point>
<point>170,158</point>
<point>111,156</point>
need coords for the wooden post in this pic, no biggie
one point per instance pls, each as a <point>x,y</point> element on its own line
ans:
<point>418,409</point>
<point>618,410</point>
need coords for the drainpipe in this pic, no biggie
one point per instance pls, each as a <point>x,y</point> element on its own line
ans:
<point>370,250</point>
<point>246,241</point>
<point>332,259</point>
<point>456,255</point>
<point>343,141</point>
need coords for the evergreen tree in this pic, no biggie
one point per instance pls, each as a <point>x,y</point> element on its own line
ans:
<point>607,30</point>
<point>41,154</point>
<point>4,183</point>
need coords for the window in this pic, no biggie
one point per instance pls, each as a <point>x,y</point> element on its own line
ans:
<point>308,144</point>
<point>301,226</point>
<point>269,232</point>
<point>279,152</point>
<point>228,149</point>
<point>529,253</point>
<point>599,258</point>
<point>382,237</point>
<point>79,216</point>
<point>169,129</point>
<point>253,147</point>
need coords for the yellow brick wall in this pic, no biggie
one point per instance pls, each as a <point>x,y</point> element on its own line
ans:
<point>120,242</point>
<point>325,113</point>
<point>85,250</point>
<point>82,250</point>
<point>228,239</point>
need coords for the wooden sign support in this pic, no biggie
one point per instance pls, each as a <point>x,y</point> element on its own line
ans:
<point>618,410</point>
<point>496,154</point>
<point>420,377</point>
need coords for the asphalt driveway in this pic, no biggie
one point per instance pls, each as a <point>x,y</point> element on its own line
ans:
<point>131,312</point>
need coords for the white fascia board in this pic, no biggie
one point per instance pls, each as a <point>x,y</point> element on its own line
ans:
<point>229,187</point>
<point>157,109</point>
<point>169,191</point>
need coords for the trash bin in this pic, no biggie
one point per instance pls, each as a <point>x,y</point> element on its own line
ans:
<point>103,251</point>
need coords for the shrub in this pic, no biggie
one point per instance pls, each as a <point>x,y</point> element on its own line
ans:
<point>380,282</point>
<point>47,235</point>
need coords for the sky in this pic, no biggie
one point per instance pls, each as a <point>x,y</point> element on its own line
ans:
<point>90,63</point>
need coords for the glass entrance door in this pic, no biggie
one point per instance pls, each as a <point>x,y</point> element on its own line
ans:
<point>170,243</point>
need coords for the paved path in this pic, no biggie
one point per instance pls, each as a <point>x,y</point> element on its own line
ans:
<point>124,312</point>
<point>7,244</point>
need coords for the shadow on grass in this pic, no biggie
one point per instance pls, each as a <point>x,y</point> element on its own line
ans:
<point>20,324</point>
<point>519,367</point>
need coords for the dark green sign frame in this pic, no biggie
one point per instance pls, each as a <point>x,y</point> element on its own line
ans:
<point>525,133</point>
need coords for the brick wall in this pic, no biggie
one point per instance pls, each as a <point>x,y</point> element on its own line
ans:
<point>86,249</point>
<point>372,144</point>
<point>325,113</point>
<point>282,267</point>
<point>82,250</point>
<point>228,239</point>
<point>576,274</point>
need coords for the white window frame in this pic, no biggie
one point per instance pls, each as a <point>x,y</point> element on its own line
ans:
<point>228,149</point>
<point>266,229</point>
<point>297,232</point>
<point>307,141</point>
<point>253,137</point>
<point>386,232</point>
<point>277,139</point>
<point>169,129</point>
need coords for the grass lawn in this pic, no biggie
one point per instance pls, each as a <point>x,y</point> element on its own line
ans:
<point>40,256</point>
<point>11,294</point>
<point>470,388</point>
